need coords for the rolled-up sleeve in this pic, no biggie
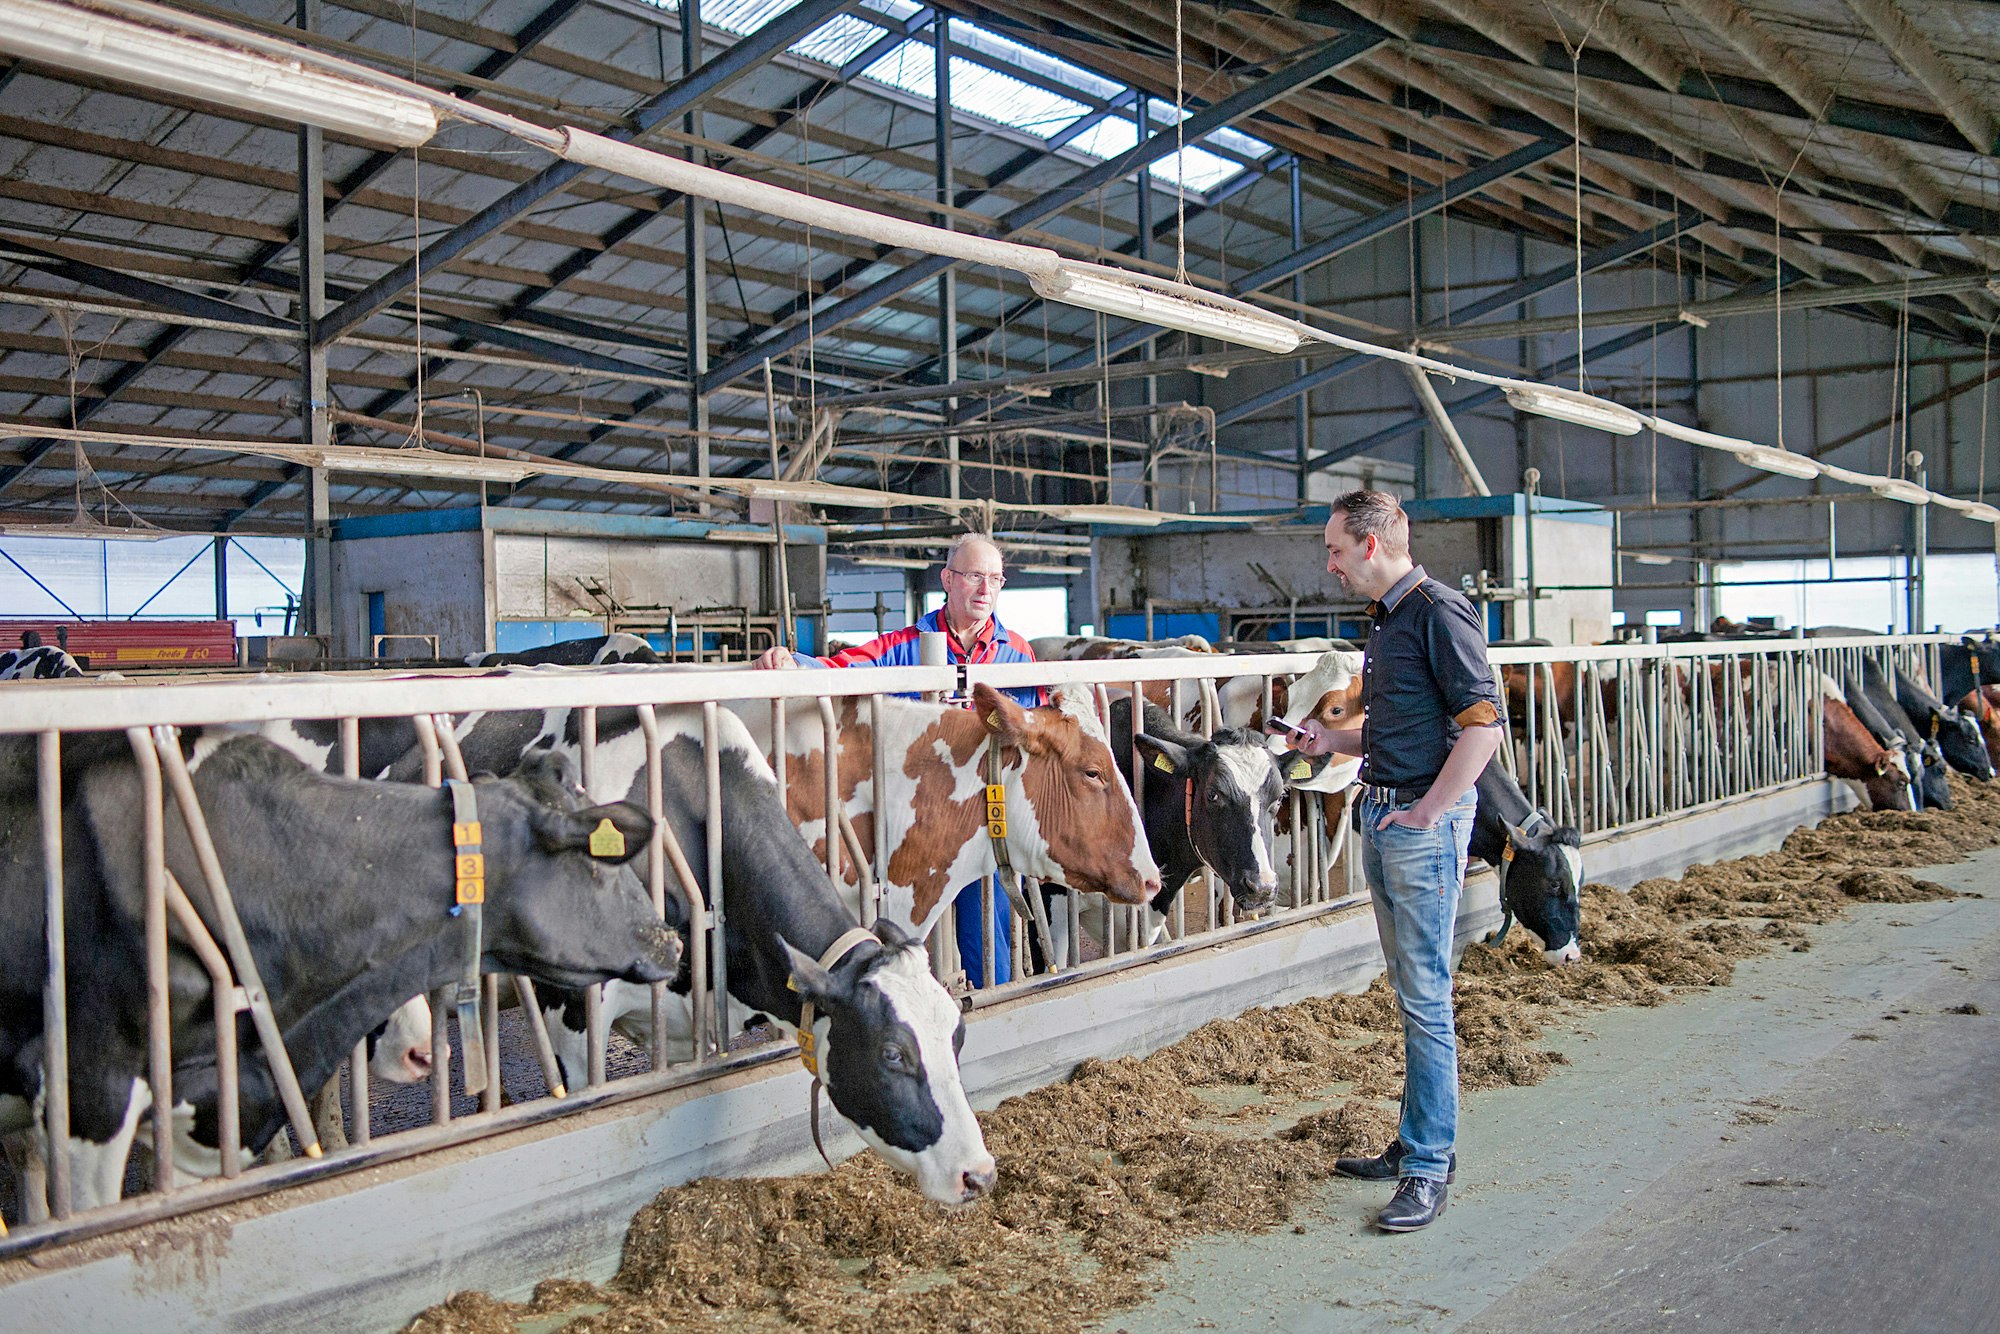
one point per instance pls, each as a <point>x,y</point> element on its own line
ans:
<point>1458,658</point>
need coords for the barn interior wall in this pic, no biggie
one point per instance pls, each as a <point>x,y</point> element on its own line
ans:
<point>549,577</point>
<point>431,584</point>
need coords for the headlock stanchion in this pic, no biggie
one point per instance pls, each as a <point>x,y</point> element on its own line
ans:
<point>1609,738</point>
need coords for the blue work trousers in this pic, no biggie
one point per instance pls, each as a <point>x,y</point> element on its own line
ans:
<point>971,948</point>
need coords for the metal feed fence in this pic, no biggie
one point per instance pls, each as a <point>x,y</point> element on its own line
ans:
<point>1641,734</point>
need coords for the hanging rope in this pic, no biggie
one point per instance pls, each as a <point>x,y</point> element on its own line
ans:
<point>1180,150</point>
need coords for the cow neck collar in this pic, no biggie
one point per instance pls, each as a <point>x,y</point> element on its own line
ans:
<point>996,802</point>
<point>850,940</point>
<point>468,904</point>
<point>1535,821</point>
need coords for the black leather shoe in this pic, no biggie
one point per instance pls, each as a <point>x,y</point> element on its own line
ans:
<point>1418,1203</point>
<point>1385,1166</point>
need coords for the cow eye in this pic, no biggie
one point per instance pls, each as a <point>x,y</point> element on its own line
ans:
<point>1215,798</point>
<point>892,1056</point>
<point>1095,775</point>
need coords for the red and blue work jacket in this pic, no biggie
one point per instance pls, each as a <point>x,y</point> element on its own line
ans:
<point>898,648</point>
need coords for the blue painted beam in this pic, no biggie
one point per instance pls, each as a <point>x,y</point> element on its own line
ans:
<point>1324,59</point>
<point>739,60</point>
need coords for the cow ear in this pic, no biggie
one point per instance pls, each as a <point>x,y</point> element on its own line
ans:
<point>1882,765</point>
<point>613,833</point>
<point>1003,717</point>
<point>891,935</point>
<point>1168,755</point>
<point>807,978</point>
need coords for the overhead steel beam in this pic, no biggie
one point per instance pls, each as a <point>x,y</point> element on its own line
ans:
<point>1600,257</point>
<point>1480,398</point>
<point>683,95</point>
<point>1321,61</point>
<point>1389,219</point>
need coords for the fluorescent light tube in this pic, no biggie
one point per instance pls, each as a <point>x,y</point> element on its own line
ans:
<point>1895,488</point>
<point>893,562</point>
<point>1135,298</point>
<point>1649,557</point>
<point>154,56</point>
<point>1125,514</point>
<point>1576,409</point>
<point>809,493</point>
<point>1781,461</point>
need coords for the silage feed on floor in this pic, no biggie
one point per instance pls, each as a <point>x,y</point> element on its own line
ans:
<point>1233,1128</point>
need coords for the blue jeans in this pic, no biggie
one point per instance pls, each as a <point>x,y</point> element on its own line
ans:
<point>971,949</point>
<point>1415,877</point>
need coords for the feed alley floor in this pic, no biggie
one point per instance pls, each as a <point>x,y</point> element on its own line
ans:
<point>1815,1147</point>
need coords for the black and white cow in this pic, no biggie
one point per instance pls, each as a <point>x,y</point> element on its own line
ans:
<point>1540,865</point>
<point>1972,662</point>
<point>41,663</point>
<point>886,1031</point>
<point>593,652</point>
<point>1873,698</point>
<point>1209,801</point>
<point>1957,735</point>
<point>343,889</point>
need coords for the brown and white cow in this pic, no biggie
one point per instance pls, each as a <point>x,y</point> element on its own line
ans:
<point>1070,816</point>
<point>1100,648</point>
<point>1853,753</point>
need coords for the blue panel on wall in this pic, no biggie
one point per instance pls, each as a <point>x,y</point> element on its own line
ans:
<point>1166,625</point>
<point>520,636</point>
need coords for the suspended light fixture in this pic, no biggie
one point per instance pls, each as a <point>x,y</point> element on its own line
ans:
<point>1781,461</point>
<point>1134,297</point>
<point>893,562</point>
<point>139,45</point>
<point>808,493</point>
<point>1576,409</point>
<point>1895,488</point>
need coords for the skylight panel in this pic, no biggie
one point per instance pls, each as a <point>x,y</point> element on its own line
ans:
<point>1238,142</point>
<point>1019,54</point>
<point>977,90</point>
<point>1108,138</point>
<point>1195,169</point>
<point>741,16</point>
<point>838,40</point>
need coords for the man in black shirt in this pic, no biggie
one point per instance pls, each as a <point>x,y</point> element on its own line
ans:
<point>1433,718</point>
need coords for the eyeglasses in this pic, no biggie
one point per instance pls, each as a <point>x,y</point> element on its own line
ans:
<point>974,576</point>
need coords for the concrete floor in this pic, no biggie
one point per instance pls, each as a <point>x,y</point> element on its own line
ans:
<point>1816,1147</point>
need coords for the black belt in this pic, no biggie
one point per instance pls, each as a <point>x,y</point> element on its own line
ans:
<point>1392,796</point>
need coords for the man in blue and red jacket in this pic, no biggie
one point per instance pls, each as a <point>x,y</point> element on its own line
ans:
<point>973,576</point>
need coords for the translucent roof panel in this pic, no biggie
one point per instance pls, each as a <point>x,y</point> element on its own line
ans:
<point>978,90</point>
<point>1195,169</point>
<point>1108,138</point>
<point>1010,52</point>
<point>838,40</point>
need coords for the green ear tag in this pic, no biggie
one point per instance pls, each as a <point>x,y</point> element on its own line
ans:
<point>1163,764</point>
<point>1301,768</point>
<point>606,841</point>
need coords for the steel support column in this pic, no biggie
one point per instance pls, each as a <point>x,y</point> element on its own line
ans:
<point>315,419</point>
<point>947,288</point>
<point>695,232</point>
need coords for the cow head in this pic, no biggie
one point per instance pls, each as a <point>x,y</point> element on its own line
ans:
<point>1964,746</point>
<point>1330,694</point>
<point>1934,777</point>
<point>1232,787</point>
<point>888,1036</point>
<point>562,904</point>
<point>399,1050</point>
<point>1076,823</point>
<point>1889,788</point>
<point>1541,884</point>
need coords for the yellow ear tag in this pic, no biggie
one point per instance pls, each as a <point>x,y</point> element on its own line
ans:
<point>1301,768</point>
<point>1507,853</point>
<point>606,841</point>
<point>993,721</point>
<point>1163,764</point>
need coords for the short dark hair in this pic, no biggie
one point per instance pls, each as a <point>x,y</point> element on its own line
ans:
<point>1377,512</point>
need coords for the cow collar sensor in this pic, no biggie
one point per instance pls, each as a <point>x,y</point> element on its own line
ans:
<point>468,902</point>
<point>849,941</point>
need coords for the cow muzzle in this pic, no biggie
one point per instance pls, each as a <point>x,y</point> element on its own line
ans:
<point>1569,953</point>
